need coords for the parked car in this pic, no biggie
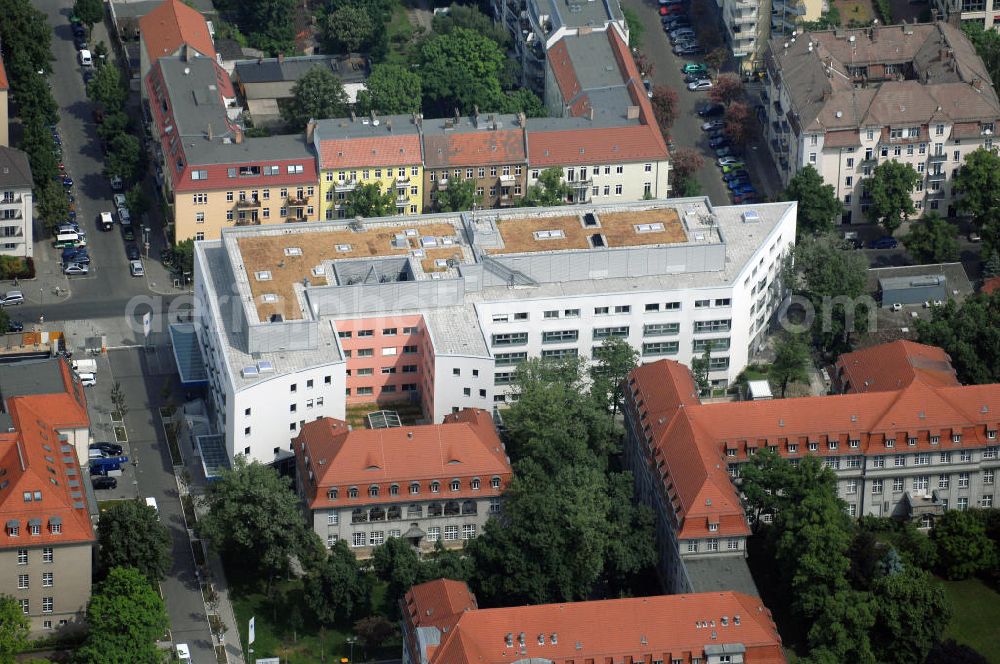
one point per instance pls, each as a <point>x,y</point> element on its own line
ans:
<point>120,201</point>
<point>734,175</point>
<point>128,234</point>
<point>744,199</point>
<point>75,269</point>
<point>745,188</point>
<point>713,125</point>
<point>689,49</point>
<point>11,298</point>
<point>671,23</point>
<point>711,110</point>
<point>69,252</point>
<point>975,237</point>
<point>719,142</point>
<point>734,185</point>
<point>672,9</point>
<point>724,151</point>
<point>80,41</point>
<point>79,30</point>
<point>124,218</point>
<point>116,183</point>
<point>132,252</point>
<point>104,482</point>
<point>717,133</point>
<point>67,181</point>
<point>88,74</point>
<point>78,259</point>
<point>703,84</point>
<point>691,78</point>
<point>730,161</point>
<point>135,268</point>
<point>694,68</point>
<point>15,326</point>
<point>885,242</point>
<point>110,449</point>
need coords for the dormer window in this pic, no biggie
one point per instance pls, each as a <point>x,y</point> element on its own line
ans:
<point>35,527</point>
<point>13,528</point>
<point>435,486</point>
<point>890,442</point>
<point>713,527</point>
<point>911,441</point>
<point>331,494</point>
<point>352,492</point>
<point>394,490</point>
<point>956,438</point>
<point>373,491</point>
<point>495,482</point>
<point>55,525</point>
<point>793,448</point>
<point>935,440</point>
<point>455,485</point>
<point>831,444</point>
<point>475,484</point>
<point>730,451</point>
<point>414,488</point>
<point>813,446</point>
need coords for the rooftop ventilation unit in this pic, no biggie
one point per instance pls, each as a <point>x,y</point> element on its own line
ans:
<point>249,372</point>
<point>589,219</point>
<point>293,251</point>
<point>265,366</point>
<point>751,217</point>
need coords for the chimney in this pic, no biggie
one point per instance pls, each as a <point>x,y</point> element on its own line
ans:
<point>632,113</point>
<point>388,125</point>
<point>458,116</point>
<point>354,118</point>
<point>209,132</point>
<point>310,130</point>
<point>590,113</point>
<point>238,135</point>
<point>281,58</point>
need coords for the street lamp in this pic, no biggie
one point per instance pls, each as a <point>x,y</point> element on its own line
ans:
<point>351,640</point>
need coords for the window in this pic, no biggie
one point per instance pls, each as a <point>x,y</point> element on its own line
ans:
<point>46,555</point>
<point>359,539</point>
<point>47,579</point>
<point>899,461</point>
<point>510,339</point>
<point>965,456</point>
<point>366,352</point>
<point>988,476</point>
<point>963,503</point>
<point>509,359</point>
<point>944,481</point>
<point>852,486</point>
<point>897,484</point>
<point>922,459</point>
<point>22,581</point>
<point>712,544</point>
<point>22,556</point>
<point>703,326</point>
<point>561,336</point>
<point>660,329</point>
<point>956,438</point>
<point>469,531</point>
<point>610,332</point>
<point>945,457</point>
<point>376,538</point>
<point>601,311</point>
<point>494,505</point>
<point>660,348</point>
<point>698,304</point>
<point>560,353</point>
<point>692,547</point>
<point>495,483</point>
<point>877,487</point>
<point>986,500</point>
<point>623,309</point>
<point>434,534</point>
<point>450,533</point>
<point>963,480</point>
<point>435,486</point>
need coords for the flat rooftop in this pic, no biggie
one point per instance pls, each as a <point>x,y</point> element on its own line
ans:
<point>568,232</point>
<point>277,262</point>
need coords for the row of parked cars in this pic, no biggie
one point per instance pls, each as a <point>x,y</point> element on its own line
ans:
<point>677,25</point>
<point>105,458</point>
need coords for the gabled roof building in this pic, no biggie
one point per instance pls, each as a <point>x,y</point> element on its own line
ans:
<point>442,624</point>
<point>428,483</point>
<point>905,440</point>
<point>172,29</point>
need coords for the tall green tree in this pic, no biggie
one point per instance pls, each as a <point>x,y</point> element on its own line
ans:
<point>549,190</point>
<point>14,629</point>
<point>978,183</point>
<point>469,17</point>
<point>912,612</point>
<point>318,95</point>
<point>254,515</point>
<point>126,618</point>
<point>130,534</point>
<point>270,24</point>
<point>124,158</point>
<point>890,188</point>
<point>763,478</point>
<point>396,562</point>
<point>460,195</point>
<point>962,544</point>
<point>631,546</point>
<point>970,334</point>
<point>334,588</point>
<point>51,204</point>
<point>833,280</point>
<point>700,367</point>
<point>89,12</point>
<point>932,239</point>
<point>790,357</point>
<point>349,29</point>
<point>615,358</point>
<point>390,89</point>
<point>818,203</point>
<point>368,200</point>
<point>107,89</point>
<point>460,70</point>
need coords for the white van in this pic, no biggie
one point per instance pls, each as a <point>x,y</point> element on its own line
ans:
<point>69,239</point>
<point>88,379</point>
<point>86,59</point>
<point>86,365</point>
<point>151,502</point>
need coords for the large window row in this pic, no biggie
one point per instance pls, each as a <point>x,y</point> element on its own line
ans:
<point>414,488</point>
<point>414,511</point>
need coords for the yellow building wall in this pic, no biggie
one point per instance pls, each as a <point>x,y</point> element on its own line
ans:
<point>336,185</point>
<point>203,215</point>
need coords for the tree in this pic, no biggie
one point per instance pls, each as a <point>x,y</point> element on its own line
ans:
<point>14,629</point>
<point>396,562</point>
<point>126,617</point>
<point>460,71</point>
<point>762,479</point>
<point>912,613</point>
<point>368,200</point>
<point>727,89</point>
<point>445,563</point>
<point>962,544</point>
<point>524,101</point>
<point>951,652</point>
<point>989,229</point>
<point>374,631</point>
<point>270,22</point>
<point>390,89</point>
<point>635,26</point>
<point>970,334</point>
<point>471,18</point>
<point>137,201</point>
<point>107,89</point>
<point>932,239</point>
<point>460,195</point>
<point>118,399</point>
<point>183,254</point>
<point>115,122</point>
<point>890,188</point>
<point>664,106</point>
<point>51,204</point>
<point>124,157</point>
<point>818,204</point>
<point>100,54</point>
<point>978,182</point>
<point>991,266</point>
<point>130,534</point>
<point>716,58</point>
<point>318,95</point>
<point>89,12</point>
<point>550,189</point>
<point>335,589</point>
<point>631,545</point>
<point>686,162</point>
<point>253,515</point>
<point>700,368</point>
<point>790,357</point>
<point>739,123</point>
<point>349,29</point>
<point>833,280</point>
<point>615,358</point>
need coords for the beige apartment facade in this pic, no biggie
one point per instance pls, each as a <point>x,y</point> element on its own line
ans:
<point>50,582</point>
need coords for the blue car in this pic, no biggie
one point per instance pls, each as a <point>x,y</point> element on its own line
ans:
<point>886,242</point>
<point>720,142</point>
<point>745,188</point>
<point>737,183</point>
<point>67,181</point>
<point>736,175</point>
<point>70,254</point>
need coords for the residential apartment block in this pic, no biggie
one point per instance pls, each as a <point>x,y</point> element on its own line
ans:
<point>981,12</point>
<point>905,439</point>
<point>428,484</point>
<point>443,624</point>
<point>172,29</point>
<point>440,309</point>
<point>46,549</point>
<point>16,203</point>
<point>843,101</point>
<point>380,150</point>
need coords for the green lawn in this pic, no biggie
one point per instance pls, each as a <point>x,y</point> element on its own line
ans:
<point>401,37</point>
<point>976,609</point>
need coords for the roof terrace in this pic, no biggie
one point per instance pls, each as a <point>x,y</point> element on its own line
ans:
<point>590,230</point>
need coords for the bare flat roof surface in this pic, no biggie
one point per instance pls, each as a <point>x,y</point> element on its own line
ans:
<point>568,232</point>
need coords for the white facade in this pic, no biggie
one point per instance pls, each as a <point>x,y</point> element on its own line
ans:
<point>615,182</point>
<point>747,27</point>
<point>982,12</point>
<point>16,204</point>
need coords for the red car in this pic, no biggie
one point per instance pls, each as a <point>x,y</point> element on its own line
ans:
<point>671,10</point>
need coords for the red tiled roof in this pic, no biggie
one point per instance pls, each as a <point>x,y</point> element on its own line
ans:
<point>218,175</point>
<point>595,146</point>
<point>990,286</point>
<point>438,603</point>
<point>464,446</point>
<point>894,365</point>
<point>34,462</point>
<point>170,26</point>
<point>398,150</point>
<point>562,68</point>
<point>912,399</point>
<point>664,627</point>
<point>4,83</point>
<point>475,148</point>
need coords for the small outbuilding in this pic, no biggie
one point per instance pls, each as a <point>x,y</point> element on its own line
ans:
<point>913,290</point>
<point>758,390</point>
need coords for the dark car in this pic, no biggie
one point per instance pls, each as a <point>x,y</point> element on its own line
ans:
<point>78,259</point>
<point>720,142</point>
<point>734,185</point>
<point>691,78</point>
<point>885,243</point>
<point>15,326</point>
<point>88,74</point>
<point>67,181</point>
<point>69,252</point>
<point>744,199</point>
<point>79,30</point>
<point>711,110</point>
<point>689,49</point>
<point>132,252</point>
<point>80,41</point>
<point>104,482</point>
<point>111,449</point>
<point>736,175</point>
<point>745,188</point>
<point>128,233</point>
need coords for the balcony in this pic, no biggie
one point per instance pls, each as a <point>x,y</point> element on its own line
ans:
<point>248,222</point>
<point>442,184</point>
<point>580,184</point>
<point>936,177</point>
<point>247,203</point>
<point>402,199</point>
<point>296,201</point>
<point>11,200</point>
<point>402,181</point>
<point>11,232</point>
<point>937,157</point>
<point>345,185</point>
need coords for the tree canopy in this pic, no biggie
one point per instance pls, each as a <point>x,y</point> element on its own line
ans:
<point>126,618</point>
<point>932,239</point>
<point>791,354</point>
<point>350,28</point>
<point>368,200</point>
<point>962,545</point>
<point>460,195</point>
<point>890,188</point>
<point>318,95</point>
<point>970,334</point>
<point>470,18</point>
<point>549,190</point>
<point>818,203</point>
<point>335,588</point>
<point>254,515</point>
<point>124,157</point>
<point>978,182</point>
<point>390,89</point>
<point>269,23</point>
<point>912,613</point>
<point>107,88</point>
<point>89,11</point>
<point>460,70</point>
<point>14,629</point>
<point>130,534</point>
